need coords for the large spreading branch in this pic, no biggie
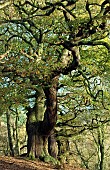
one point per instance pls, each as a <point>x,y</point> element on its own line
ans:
<point>83,31</point>
<point>69,45</point>
<point>76,39</point>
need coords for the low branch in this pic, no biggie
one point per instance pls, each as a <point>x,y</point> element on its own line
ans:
<point>69,45</point>
<point>78,129</point>
<point>20,36</point>
<point>27,55</point>
<point>4,55</point>
<point>94,43</point>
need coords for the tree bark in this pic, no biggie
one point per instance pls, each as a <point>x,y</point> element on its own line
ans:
<point>17,136</point>
<point>50,116</point>
<point>52,145</point>
<point>40,130</point>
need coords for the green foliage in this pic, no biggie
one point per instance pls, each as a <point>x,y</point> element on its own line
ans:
<point>37,34</point>
<point>50,159</point>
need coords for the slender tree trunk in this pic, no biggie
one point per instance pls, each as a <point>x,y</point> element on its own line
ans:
<point>9,134</point>
<point>85,162</point>
<point>100,131</point>
<point>17,136</point>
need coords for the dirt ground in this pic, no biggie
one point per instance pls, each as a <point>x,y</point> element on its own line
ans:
<point>10,163</point>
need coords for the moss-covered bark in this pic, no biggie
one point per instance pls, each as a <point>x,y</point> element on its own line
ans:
<point>41,122</point>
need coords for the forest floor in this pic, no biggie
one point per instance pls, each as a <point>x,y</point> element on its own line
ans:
<point>10,163</point>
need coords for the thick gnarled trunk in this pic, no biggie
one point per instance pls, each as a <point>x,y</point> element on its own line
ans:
<point>50,116</point>
<point>35,140</point>
<point>40,131</point>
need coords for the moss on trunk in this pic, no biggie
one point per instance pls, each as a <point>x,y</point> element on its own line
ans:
<point>41,122</point>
